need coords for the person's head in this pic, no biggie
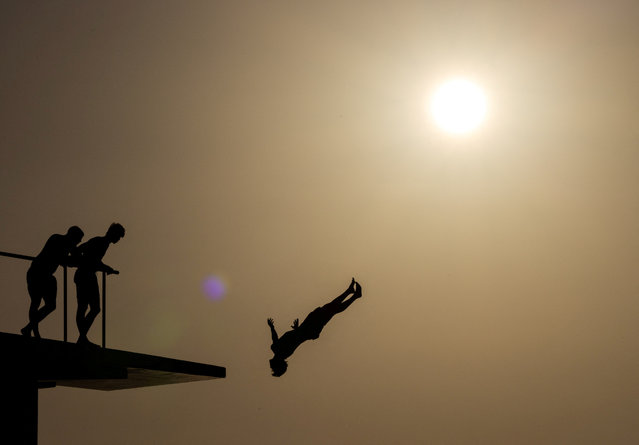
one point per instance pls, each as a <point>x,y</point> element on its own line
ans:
<point>75,234</point>
<point>115,233</point>
<point>278,366</point>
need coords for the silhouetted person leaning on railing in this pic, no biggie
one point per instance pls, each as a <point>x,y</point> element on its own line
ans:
<point>86,282</point>
<point>41,284</point>
<point>310,329</point>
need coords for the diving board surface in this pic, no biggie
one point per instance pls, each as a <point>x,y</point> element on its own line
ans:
<point>57,363</point>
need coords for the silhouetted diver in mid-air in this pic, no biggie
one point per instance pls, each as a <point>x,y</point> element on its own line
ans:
<point>41,284</point>
<point>310,329</point>
<point>86,282</point>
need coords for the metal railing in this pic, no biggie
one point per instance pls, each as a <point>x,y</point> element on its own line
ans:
<point>65,304</point>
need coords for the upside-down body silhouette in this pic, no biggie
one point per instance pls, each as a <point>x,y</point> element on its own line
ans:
<point>41,283</point>
<point>310,329</point>
<point>86,281</point>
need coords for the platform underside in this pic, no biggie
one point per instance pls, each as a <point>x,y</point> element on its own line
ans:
<point>56,363</point>
<point>136,378</point>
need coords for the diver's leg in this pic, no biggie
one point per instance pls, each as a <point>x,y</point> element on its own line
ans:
<point>346,293</point>
<point>345,304</point>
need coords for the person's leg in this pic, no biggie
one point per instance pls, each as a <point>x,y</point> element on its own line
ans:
<point>347,303</point>
<point>93,304</point>
<point>35,294</point>
<point>94,310</point>
<point>318,318</point>
<point>82,307</point>
<point>50,296</point>
<point>79,318</point>
<point>32,326</point>
<point>340,298</point>
<point>340,306</point>
<point>49,306</point>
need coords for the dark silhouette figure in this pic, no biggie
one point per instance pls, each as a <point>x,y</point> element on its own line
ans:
<point>310,329</point>
<point>86,282</point>
<point>59,250</point>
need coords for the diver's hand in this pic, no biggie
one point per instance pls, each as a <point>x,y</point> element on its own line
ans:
<point>296,323</point>
<point>270,322</point>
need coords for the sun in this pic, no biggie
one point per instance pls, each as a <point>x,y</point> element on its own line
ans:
<point>458,106</point>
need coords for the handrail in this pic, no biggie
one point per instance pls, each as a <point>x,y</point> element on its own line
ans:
<point>17,255</point>
<point>64,267</point>
<point>104,309</point>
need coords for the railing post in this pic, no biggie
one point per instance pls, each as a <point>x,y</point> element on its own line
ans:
<point>64,274</point>
<point>104,309</point>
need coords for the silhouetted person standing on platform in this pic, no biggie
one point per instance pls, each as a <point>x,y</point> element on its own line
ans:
<point>310,329</point>
<point>86,281</point>
<point>41,283</point>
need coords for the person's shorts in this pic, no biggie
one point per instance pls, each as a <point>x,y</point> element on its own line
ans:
<point>41,286</point>
<point>87,289</point>
<point>315,321</point>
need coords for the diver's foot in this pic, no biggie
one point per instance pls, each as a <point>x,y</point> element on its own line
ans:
<point>26,331</point>
<point>358,290</point>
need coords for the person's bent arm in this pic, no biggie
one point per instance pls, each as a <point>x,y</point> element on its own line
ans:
<point>108,269</point>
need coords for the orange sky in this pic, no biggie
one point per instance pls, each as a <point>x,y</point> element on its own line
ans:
<point>285,147</point>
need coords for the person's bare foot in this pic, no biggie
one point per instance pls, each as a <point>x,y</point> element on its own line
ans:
<point>351,287</point>
<point>358,290</point>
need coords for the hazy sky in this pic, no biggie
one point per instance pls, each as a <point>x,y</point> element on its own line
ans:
<point>285,147</point>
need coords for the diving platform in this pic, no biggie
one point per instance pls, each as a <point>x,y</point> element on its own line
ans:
<point>56,363</point>
<point>29,364</point>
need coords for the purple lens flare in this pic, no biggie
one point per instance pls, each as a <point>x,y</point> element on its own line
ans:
<point>214,288</point>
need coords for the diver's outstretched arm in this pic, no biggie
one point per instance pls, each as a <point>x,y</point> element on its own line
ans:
<point>273,331</point>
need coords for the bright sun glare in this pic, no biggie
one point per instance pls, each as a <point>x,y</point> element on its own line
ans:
<point>458,106</point>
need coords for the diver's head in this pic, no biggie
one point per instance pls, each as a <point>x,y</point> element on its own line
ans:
<point>278,366</point>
